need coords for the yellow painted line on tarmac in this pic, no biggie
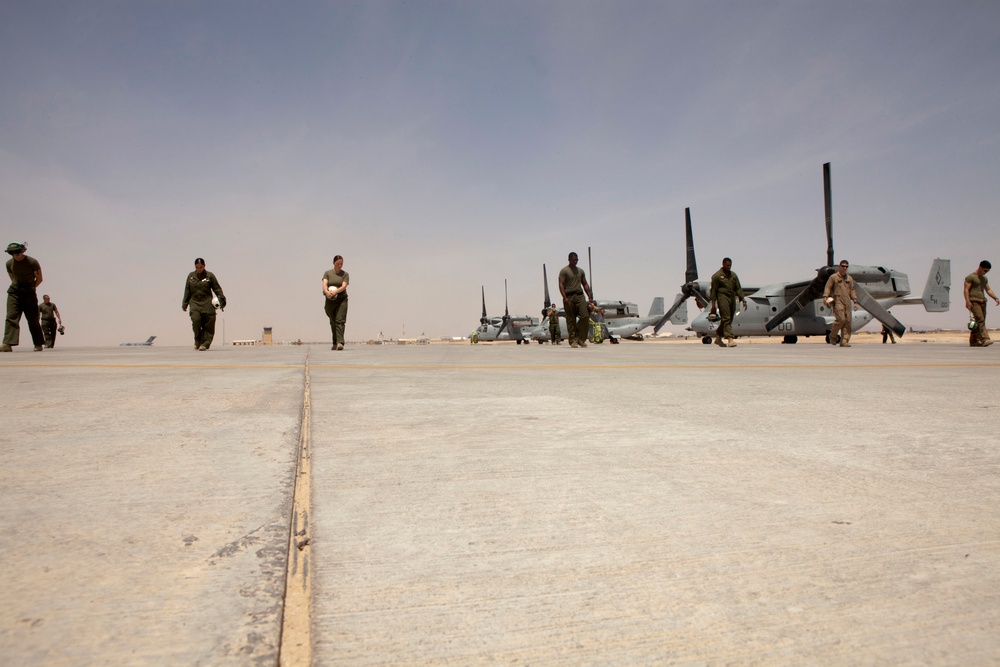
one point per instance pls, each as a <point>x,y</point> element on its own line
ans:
<point>515,367</point>
<point>156,366</point>
<point>620,367</point>
<point>296,619</point>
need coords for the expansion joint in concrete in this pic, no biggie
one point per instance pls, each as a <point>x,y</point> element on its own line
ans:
<point>296,636</point>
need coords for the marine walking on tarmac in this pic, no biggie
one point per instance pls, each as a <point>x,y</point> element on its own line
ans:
<point>554,336</point>
<point>725,291</point>
<point>335,282</point>
<point>25,276</point>
<point>977,287</point>
<point>572,285</point>
<point>839,293</point>
<point>198,290</point>
<point>50,315</point>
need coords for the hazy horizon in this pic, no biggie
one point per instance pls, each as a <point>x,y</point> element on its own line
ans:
<point>444,147</point>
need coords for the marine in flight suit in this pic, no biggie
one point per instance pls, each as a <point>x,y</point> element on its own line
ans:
<point>726,289</point>
<point>198,291</point>
<point>839,293</point>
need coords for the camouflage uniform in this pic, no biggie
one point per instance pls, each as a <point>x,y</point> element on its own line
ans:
<point>336,308</point>
<point>577,312</point>
<point>48,311</point>
<point>554,335</point>
<point>844,295</point>
<point>198,295</point>
<point>978,285</point>
<point>725,292</point>
<point>22,300</point>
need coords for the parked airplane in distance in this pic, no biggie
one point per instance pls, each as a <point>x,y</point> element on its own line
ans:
<point>616,325</point>
<point>619,319</point>
<point>507,327</point>
<point>149,341</point>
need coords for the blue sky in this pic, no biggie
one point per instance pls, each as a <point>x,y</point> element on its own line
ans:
<point>441,146</point>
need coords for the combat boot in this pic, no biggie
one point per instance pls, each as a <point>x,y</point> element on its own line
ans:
<point>718,341</point>
<point>6,348</point>
<point>730,342</point>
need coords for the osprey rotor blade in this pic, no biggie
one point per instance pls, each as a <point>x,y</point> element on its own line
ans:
<point>813,290</point>
<point>670,311</point>
<point>590,272</point>
<point>700,297</point>
<point>690,287</point>
<point>483,319</point>
<point>503,326</point>
<point>828,200</point>
<point>545,281</point>
<point>878,311</point>
<point>506,311</point>
<point>691,272</point>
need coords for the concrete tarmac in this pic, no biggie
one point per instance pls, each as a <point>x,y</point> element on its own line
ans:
<point>645,503</point>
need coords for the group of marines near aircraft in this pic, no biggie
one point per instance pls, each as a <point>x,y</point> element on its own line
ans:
<point>839,294</point>
<point>725,291</point>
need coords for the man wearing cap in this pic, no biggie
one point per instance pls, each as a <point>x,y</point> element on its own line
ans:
<point>726,289</point>
<point>572,284</point>
<point>50,313</point>
<point>25,276</point>
<point>198,294</point>
<point>554,334</point>
<point>839,293</point>
<point>977,286</point>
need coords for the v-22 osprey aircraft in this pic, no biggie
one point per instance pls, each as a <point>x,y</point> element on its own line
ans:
<point>793,309</point>
<point>621,318</point>
<point>502,328</point>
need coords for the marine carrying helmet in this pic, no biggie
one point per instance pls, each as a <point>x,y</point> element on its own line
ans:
<point>15,247</point>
